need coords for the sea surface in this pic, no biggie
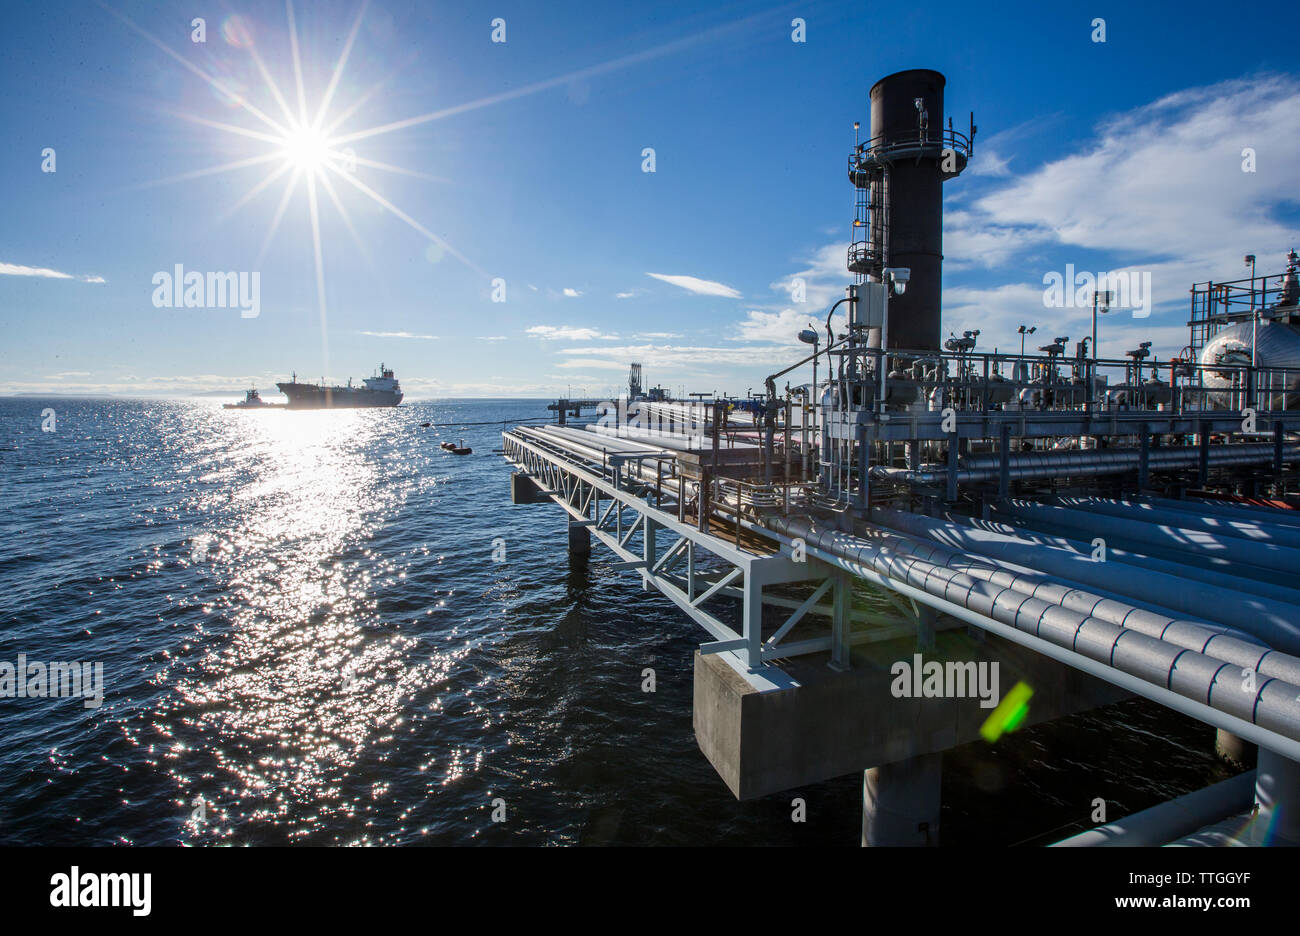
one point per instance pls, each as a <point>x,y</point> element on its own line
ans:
<point>305,639</point>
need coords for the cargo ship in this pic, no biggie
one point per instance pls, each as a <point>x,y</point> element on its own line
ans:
<point>381,390</point>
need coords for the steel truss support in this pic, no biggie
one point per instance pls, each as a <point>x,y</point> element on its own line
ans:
<point>692,568</point>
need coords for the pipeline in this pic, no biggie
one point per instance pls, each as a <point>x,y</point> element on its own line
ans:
<point>1027,466</point>
<point>1173,819</point>
<point>1267,561</point>
<point>1230,510</point>
<point>1239,648</point>
<point>1204,687</point>
<point>1248,528</point>
<point>1247,589</point>
<point>1180,588</point>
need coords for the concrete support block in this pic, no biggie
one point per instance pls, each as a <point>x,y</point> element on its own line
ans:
<point>804,722</point>
<point>1234,749</point>
<point>1277,791</point>
<point>901,801</point>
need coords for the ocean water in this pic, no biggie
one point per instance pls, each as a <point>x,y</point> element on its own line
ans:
<point>305,639</point>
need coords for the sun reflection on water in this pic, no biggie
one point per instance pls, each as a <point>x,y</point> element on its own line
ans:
<point>299,677</point>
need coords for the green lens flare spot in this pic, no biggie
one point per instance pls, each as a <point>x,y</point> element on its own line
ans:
<point>1009,715</point>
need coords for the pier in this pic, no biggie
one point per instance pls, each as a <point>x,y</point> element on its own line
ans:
<point>1088,529</point>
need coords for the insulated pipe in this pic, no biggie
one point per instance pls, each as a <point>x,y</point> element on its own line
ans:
<point>1171,820</point>
<point>1207,507</point>
<point>1059,464</point>
<point>1103,456</point>
<point>1274,622</point>
<point>591,448</point>
<point>1186,549</point>
<point>1247,589</point>
<point>1279,560</point>
<point>1235,647</point>
<point>611,443</point>
<point>1189,682</point>
<point>1244,528</point>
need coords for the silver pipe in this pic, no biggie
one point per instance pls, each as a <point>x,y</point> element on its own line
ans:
<point>1243,649</point>
<point>1181,679</point>
<point>1249,528</point>
<point>1173,819</point>
<point>1276,560</point>
<point>1055,464</point>
<point>1247,589</point>
<point>1252,618</point>
<point>1231,510</point>
<point>1168,453</point>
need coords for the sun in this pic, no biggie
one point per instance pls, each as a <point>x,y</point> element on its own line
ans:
<point>306,149</point>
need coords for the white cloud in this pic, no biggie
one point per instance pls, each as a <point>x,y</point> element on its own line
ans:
<point>973,239</point>
<point>1157,189</point>
<point>399,334</point>
<point>656,335</point>
<point>1163,183</point>
<point>565,332</point>
<point>823,280</point>
<point>598,363</point>
<point>491,337</point>
<point>571,293</point>
<point>696,285</point>
<point>624,295</point>
<point>15,269</point>
<point>783,327</point>
<point>667,356</point>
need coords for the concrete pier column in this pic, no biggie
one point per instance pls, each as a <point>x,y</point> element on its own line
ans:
<point>1234,749</point>
<point>900,802</point>
<point>579,542</point>
<point>1277,791</point>
<point>524,490</point>
<point>926,619</point>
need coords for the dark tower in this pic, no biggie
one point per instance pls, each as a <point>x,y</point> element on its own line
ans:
<point>899,174</point>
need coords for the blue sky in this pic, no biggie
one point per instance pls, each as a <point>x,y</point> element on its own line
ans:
<point>1123,155</point>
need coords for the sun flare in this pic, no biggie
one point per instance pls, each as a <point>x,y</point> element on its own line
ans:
<point>306,149</point>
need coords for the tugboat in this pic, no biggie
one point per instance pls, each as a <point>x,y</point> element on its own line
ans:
<point>456,448</point>
<point>252,400</point>
<point>381,390</point>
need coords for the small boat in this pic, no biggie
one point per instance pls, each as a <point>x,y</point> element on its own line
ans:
<point>447,445</point>
<point>458,447</point>
<point>425,425</point>
<point>465,450</point>
<point>252,400</point>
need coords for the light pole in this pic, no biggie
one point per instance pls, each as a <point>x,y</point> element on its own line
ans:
<point>1104,297</point>
<point>895,280</point>
<point>1254,316</point>
<point>1024,331</point>
<point>809,336</point>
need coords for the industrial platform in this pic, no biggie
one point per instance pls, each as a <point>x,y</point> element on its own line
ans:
<point>1086,529</point>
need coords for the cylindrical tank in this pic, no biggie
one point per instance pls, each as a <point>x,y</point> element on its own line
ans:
<point>915,197</point>
<point>1277,344</point>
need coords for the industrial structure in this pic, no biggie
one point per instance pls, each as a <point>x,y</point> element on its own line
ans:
<point>1092,529</point>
